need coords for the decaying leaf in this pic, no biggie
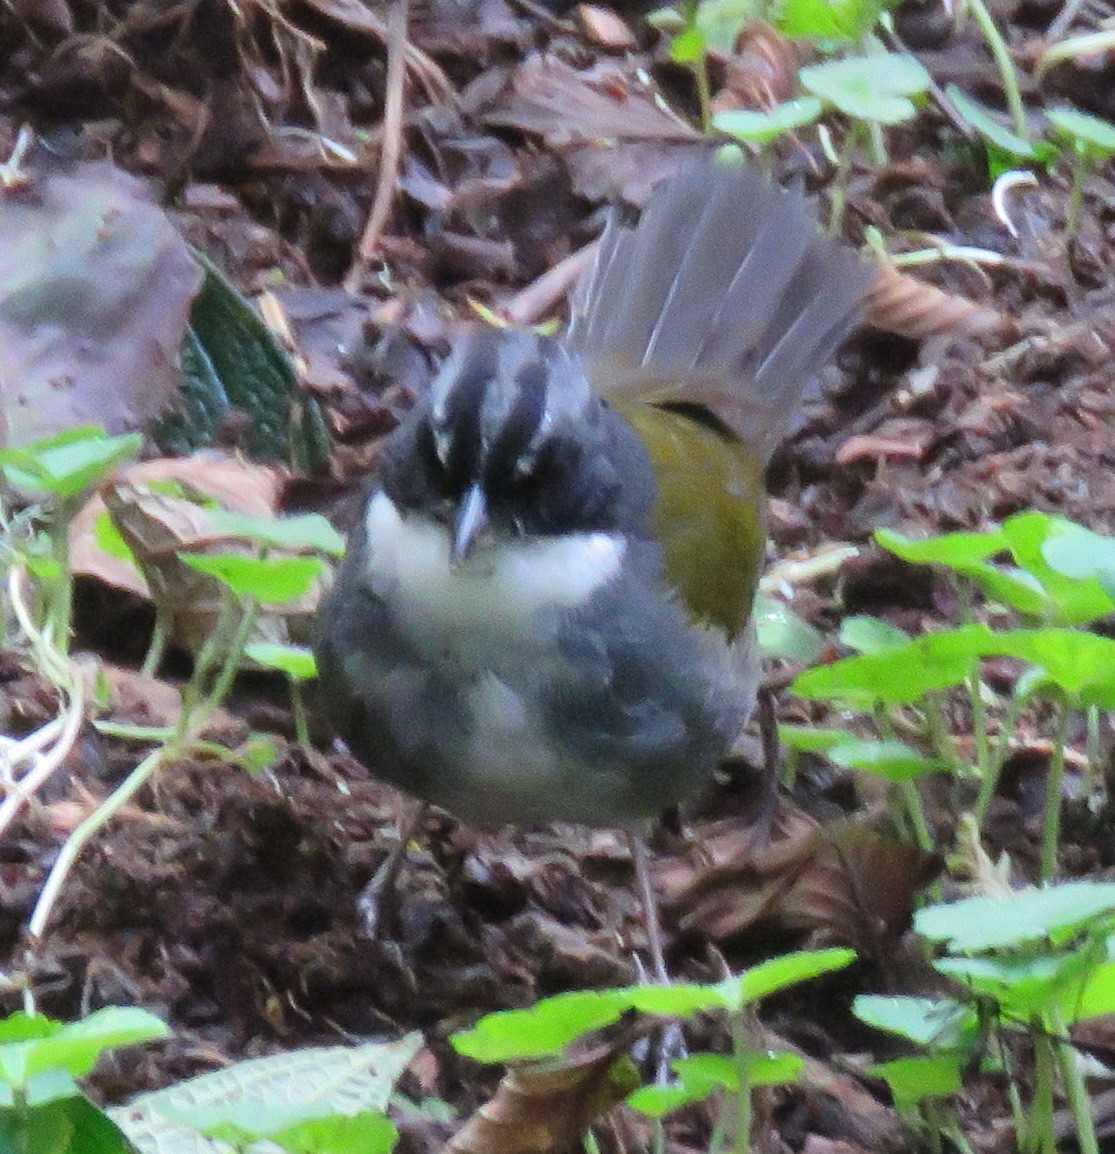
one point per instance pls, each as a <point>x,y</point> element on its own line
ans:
<point>162,507</point>
<point>841,883</point>
<point>539,1110</point>
<point>575,112</point>
<point>95,292</point>
<point>902,304</point>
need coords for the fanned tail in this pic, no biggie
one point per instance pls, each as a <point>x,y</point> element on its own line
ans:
<point>726,294</point>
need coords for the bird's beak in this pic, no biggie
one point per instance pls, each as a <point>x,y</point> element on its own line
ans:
<point>472,516</point>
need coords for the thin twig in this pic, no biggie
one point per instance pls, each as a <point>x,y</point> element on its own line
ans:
<point>391,153</point>
<point>534,301</point>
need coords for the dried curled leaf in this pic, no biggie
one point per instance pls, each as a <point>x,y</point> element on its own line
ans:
<point>162,507</point>
<point>762,70</point>
<point>539,1110</point>
<point>841,883</point>
<point>902,304</point>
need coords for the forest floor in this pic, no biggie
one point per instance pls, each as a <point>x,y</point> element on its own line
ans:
<point>228,902</point>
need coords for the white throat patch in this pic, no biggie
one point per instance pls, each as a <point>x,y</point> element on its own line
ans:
<point>497,587</point>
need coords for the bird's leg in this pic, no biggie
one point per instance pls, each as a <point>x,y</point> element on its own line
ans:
<point>650,905</point>
<point>670,1041</point>
<point>379,891</point>
<point>768,734</point>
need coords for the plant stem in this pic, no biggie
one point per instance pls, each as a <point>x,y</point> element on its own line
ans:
<point>1076,197</point>
<point>741,1050</point>
<point>839,194</point>
<point>1075,1087</point>
<point>160,633</point>
<point>301,722</point>
<point>62,599</point>
<point>1051,834</point>
<point>234,657</point>
<point>1042,1139</point>
<point>1093,747</point>
<point>1005,65</point>
<point>939,733</point>
<point>916,810</point>
<point>81,836</point>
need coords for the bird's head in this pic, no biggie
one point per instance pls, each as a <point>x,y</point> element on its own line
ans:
<point>512,442</point>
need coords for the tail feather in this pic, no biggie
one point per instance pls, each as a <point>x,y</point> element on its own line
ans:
<point>725,294</point>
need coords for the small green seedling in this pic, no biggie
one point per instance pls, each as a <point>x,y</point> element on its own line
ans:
<point>1091,141</point>
<point>1006,150</point>
<point>58,472</point>
<point>251,580</point>
<point>1042,959</point>
<point>41,1106</point>
<point>755,126</point>
<point>546,1030</point>
<point>298,664</point>
<point>1040,568</point>
<point>951,1035</point>
<point>873,92</point>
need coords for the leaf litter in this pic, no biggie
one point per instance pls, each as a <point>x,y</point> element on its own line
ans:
<point>228,902</point>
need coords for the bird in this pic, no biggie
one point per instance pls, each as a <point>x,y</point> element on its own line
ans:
<point>545,611</point>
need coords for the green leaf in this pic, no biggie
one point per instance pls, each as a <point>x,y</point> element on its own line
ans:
<point>544,1029</point>
<point>257,754</point>
<point>987,126</point>
<point>295,661</point>
<point>365,1133</point>
<point>783,634</point>
<point>813,739</point>
<point>871,635</point>
<point>774,1069</point>
<point>274,1092</point>
<point>911,1080</point>
<point>70,1125</point>
<point>1082,665</point>
<point>720,21</point>
<point>69,463</point>
<point>902,675</point>
<point>688,47</point>
<point>307,532</point>
<point>874,88</point>
<point>1076,597</point>
<point>985,923</point>
<point>31,1044</point>
<point>268,579</point>
<point>826,19</point>
<point>236,349</point>
<point>108,539</point>
<point>1022,986</point>
<point>967,554</point>
<point>765,126</point>
<point>1096,996</point>
<point>892,760</point>
<point>782,972</point>
<point>1094,136</point>
<point>939,1023</point>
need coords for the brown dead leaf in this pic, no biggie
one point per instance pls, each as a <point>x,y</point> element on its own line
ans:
<point>902,304</point>
<point>907,437</point>
<point>841,883</point>
<point>539,1110</point>
<point>157,525</point>
<point>762,70</point>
